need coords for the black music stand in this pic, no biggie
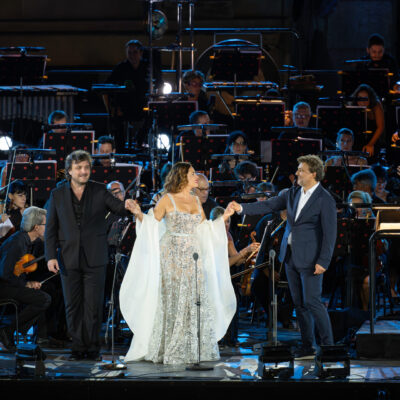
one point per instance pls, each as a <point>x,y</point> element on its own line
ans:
<point>330,119</point>
<point>231,62</point>
<point>122,173</point>
<point>170,114</point>
<point>66,143</point>
<point>198,150</point>
<point>286,151</point>
<point>22,69</point>
<point>256,118</point>
<point>377,78</point>
<point>38,176</point>
<point>338,179</point>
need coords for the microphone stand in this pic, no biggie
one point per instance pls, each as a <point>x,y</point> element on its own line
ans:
<point>273,333</point>
<point>197,366</point>
<point>117,259</point>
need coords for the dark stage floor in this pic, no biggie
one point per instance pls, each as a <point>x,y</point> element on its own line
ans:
<point>237,374</point>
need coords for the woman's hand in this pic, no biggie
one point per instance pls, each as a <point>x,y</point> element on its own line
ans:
<point>369,148</point>
<point>251,248</point>
<point>229,211</point>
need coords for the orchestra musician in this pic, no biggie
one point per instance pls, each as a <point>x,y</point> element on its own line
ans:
<point>18,287</point>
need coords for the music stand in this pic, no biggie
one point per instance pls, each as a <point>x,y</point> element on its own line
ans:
<point>170,114</point>
<point>125,173</point>
<point>377,78</point>
<point>198,150</point>
<point>286,151</point>
<point>256,118</point>
<point>330,119</point>
<point>66,143</point>
<point>22,69</point>
<point>232,62</point>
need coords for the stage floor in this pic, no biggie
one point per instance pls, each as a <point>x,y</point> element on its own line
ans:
<point>238,373</point>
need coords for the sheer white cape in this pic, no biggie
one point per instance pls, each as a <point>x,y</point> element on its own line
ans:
<point>140,288</point>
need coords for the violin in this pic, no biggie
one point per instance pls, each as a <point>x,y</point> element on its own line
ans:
<point>245,285</point>
<point>26,264</point>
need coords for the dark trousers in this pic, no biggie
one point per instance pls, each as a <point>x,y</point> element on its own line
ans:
<point>306,290</point>
<point>34,303</point>
<point>83,288</point>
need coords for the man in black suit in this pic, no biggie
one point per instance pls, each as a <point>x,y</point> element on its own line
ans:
<point>306,247</point>
<point>76,244</point>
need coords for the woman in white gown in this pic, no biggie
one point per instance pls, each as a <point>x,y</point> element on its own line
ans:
<point>158,293</point>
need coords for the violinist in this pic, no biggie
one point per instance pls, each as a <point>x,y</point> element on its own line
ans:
<point>236,259</point>
<point>18,287</point>
<point>17,202</point>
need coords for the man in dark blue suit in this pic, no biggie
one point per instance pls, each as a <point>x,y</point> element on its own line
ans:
<point>306,247</point>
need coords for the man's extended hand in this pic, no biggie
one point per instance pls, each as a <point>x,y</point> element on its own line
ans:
<point>234,206</point>
<point>319,269</point>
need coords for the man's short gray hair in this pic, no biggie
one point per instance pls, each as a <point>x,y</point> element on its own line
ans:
<point>121,186</point>
<point>32,216</point>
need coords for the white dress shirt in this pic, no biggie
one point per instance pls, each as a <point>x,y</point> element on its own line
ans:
<point>304,197</point>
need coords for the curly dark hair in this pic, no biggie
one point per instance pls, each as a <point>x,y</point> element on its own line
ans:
<point>176,179</point>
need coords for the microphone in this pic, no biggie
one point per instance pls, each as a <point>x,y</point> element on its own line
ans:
<point>195,256</point>
<point>272,254</point>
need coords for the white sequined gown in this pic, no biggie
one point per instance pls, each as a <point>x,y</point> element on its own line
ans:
<point>174,337</point>
<point>158,294</point>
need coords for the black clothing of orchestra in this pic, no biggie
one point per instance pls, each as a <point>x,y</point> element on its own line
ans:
<point>208,206</point>
<point>82,252</point>
<point>13,287</point>
<point>15,218</point>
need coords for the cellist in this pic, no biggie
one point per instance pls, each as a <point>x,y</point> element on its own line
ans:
<point>19,288</point>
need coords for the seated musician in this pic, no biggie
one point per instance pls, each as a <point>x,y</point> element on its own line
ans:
<point>379,59</point>
<point>15,206</point>
<point>235,144</point>
<point>202,191</point>
<point>193,84</point>
<point>300,116</point>
<point>236,261</point>
<point>365,181</point>
<point>105,145</point>
<point>359,271</point>
<point>58,117</point>
<point>381,181</point>
<point>345,142</point>
<point>19,158</point>
<point>375,117</point>
<point>18,287</point>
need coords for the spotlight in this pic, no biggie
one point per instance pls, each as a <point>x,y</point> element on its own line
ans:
<point>278,362</point>
<point>5,143</point>
<point>332,361</point>
<point>163,141</point>
<point>167,89</point>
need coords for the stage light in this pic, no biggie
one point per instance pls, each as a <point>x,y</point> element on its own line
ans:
<point>163,141</point>
<point>332,362</point>
<point>167,89</point>
<point>277,362</point>
<point>5,143</point>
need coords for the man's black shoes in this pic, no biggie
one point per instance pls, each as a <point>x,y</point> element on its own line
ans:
<point>93,356</point>
<point>304,353</point>
<point>76,356</point>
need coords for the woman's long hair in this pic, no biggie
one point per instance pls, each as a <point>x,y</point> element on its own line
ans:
<point>372,96</point>
<point>177,179</point>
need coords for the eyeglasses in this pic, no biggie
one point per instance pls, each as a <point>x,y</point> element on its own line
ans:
<point>239,143</point>
<point>302,116</point>
<point>203,189</point>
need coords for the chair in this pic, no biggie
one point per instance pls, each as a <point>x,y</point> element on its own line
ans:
<point>15,304</point>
